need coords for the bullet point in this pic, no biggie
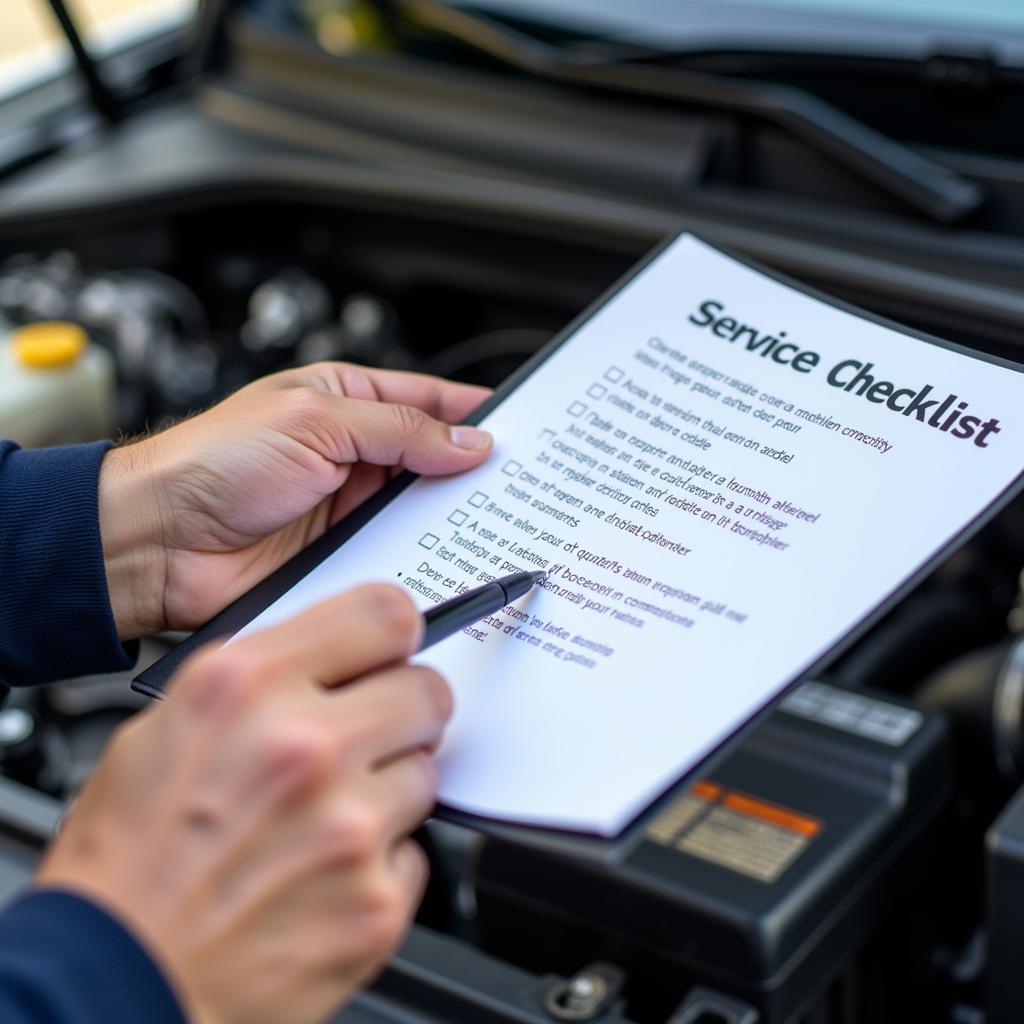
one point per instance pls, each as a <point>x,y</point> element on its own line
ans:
<point>478,499</point>
<point>596,390</point>
<point>614,374</point>
<point>458,517</point>
<point>577,409</point>
<point>511,467</point>
<point>428,540</point>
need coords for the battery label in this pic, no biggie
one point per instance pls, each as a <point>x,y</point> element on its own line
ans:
<point>669,825</point>
<point>734,830</point>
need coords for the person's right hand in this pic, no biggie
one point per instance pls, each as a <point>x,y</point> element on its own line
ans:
<point>253,830</point>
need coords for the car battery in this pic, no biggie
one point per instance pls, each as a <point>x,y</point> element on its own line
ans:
<point>1005,884</point>
<point>761,880</point>
<point>435,978</point>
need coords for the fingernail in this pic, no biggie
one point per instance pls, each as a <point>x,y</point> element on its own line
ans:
<point>471,438</point>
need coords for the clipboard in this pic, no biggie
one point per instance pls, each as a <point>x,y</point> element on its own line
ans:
<point>153,679</point>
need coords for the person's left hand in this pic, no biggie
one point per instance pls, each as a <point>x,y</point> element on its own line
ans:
<point>196,515</point>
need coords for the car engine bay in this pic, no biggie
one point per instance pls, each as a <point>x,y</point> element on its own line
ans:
<point>859,856</point>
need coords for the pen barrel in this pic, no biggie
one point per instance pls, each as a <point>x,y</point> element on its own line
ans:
<point>450,616</point>
<point>520,583</point>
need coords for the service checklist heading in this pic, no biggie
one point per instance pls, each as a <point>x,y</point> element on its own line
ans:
<point>855,376</point>
<point>723,476</point>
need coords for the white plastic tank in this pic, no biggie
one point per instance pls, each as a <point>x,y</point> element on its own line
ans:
<point>55,387</point>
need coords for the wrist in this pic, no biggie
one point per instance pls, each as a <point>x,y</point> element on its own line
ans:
<point>132,533</point>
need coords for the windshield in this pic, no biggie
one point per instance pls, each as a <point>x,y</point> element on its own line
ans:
<point>32,48</point>
<point>884,27</point>
<point>730,17</point>
<point>846,25</point>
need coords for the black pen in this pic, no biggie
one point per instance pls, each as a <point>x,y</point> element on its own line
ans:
<point>450,616</point>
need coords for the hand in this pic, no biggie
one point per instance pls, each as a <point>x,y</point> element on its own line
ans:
<point>252,830</point>
<point>196,515</point>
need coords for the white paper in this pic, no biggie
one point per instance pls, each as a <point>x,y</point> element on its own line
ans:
<point>581,706</point>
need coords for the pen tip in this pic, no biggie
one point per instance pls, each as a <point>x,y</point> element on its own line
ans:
<point>539,577</point>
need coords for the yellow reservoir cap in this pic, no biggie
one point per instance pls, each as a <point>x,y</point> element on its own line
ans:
<point>49,344</point>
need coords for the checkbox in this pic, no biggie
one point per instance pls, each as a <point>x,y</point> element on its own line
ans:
<point>477,499</point>
<point>547,434</point>
<point>577,409</point>
<point>596,390</point>
<point>511,468</point>
<point>458,517</point>
<point>614,374</point>
<point>428,540</point>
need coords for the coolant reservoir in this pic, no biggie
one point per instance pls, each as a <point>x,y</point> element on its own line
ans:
<point>55,387</point>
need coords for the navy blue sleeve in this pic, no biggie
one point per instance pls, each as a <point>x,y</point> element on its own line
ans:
<point>62,959</point>
<point>55,617</point>
<point>65,961</point>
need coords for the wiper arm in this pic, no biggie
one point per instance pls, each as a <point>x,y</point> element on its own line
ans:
<point>942,194</point>
<point>103,100</point>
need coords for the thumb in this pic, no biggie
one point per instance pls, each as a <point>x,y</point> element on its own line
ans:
<point>387,434</point>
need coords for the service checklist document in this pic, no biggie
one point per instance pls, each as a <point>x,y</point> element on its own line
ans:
<point>722,476</point>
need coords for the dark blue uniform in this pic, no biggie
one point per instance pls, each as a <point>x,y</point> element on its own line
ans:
<point>63,960</point>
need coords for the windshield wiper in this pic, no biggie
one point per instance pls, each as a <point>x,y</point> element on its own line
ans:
<point>938,192</point>
<point>103,100</point>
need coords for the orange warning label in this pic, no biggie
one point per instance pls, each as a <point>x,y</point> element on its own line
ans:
<point>734,830</point>
<point>772,813</point>
<point>706,790</point>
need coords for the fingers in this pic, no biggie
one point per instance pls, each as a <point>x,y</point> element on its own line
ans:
<point>409,863</point>
<point>273,742</point>
<point>388,418</point>
<point>390,805</point>
<point>364,481</point>
<point>338,639</point>
<point>348,414</point>
<point>399,435</point>
<point>406,791</point>
<point>394,713</point>
<point>396,887</point>
<point>363,812</point>
<point>292,734</point>
<point>444,400</point>
<point>347,769</point>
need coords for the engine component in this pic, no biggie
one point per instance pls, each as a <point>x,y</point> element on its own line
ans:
<point>55,387</point>
<point>702,1006</point>
<point>283,310</point>
<point>153,325</point>
<point>33,751</point>
<point>983,692</point>
<point>761,881</point>
<point>586,995</point>
<point>1005,849</point>
<point>22,757</point>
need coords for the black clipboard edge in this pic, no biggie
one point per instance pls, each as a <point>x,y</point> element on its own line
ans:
<point>577,844</point>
